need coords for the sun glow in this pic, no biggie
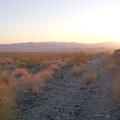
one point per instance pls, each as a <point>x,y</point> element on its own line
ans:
<point>74,21</point>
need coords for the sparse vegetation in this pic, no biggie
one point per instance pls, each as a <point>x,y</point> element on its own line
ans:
<point>7,101</point>
<point>28,61</point>
<point>89,77</point>
<point>29,74</point>
<point>116,86</point>
<point>111,65</point>
<point>4,77</point>
<point>53,67</point>
<point>46,75</point>
<point>78,58</point>
<point>18,80</point>
<point>63,63</point>
<point>46,63</point>
<point>20,73</point>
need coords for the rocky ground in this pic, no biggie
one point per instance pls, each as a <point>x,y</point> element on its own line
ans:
<point>67,97</point>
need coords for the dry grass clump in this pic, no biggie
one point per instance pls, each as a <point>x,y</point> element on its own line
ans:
<point>111,65</point>
<point>76,70</point>
<point>20,77</point>
<point>38,80</point>
<point>79,57</point>
<point>116,87</point>
<point>28,61</point>
<point>89,77</point>
<point>46,63</point>
<point>54,67</point>
<point>5,60</point>
<point>63,64</point>
<point>33,82</point>
<point>4,77</point>
<point>47,75</point>
<point>21,80</point>
<point>25,81</point>
<point>64,57</point>
<point>20,73</point>
<point>7,97</point>
<point>7,101</point>
<point>4,67</point>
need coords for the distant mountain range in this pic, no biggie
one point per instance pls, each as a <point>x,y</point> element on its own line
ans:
<point>55,46</point>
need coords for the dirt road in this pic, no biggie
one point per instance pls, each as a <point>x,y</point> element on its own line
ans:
<point>67,97</point>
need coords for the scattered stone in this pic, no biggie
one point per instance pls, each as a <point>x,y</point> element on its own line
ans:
<point>67,98</point>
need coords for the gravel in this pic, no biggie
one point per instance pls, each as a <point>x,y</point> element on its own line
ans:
<point>67,97</point>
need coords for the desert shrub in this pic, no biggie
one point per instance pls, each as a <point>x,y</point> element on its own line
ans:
<point>58,61</point>
<point>47,75</point>
<point>29,61</point>
<point>33,82</point>
<point>25,81</point>
<point>7,102</point>
<point>4,67</point>
<point>20,73</point>
<point>64,57</point>
<point>46,63</point>
<point>89,77</point>
<point>116,86</point>
<point>111,65</point>
<point>62,64</point>
<point>76,70</point>
<point>79,57</point>
<point>4,60</point>
<point>4,77</point>
<point>53,67</point>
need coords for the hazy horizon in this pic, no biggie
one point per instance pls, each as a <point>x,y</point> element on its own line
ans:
<point>78,21</point>
<point>61,42</point>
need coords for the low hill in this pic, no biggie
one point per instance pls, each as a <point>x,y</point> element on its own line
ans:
<point>53,46</point>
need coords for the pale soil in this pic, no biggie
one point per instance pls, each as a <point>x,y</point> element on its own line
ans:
<point>67,97</point>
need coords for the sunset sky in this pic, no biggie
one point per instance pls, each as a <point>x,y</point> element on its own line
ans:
<point>84,21</point>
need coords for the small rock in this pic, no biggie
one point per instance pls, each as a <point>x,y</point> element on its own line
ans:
<point>107,116</point>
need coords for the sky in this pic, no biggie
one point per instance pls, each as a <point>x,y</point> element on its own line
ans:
<point>83,21</point>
